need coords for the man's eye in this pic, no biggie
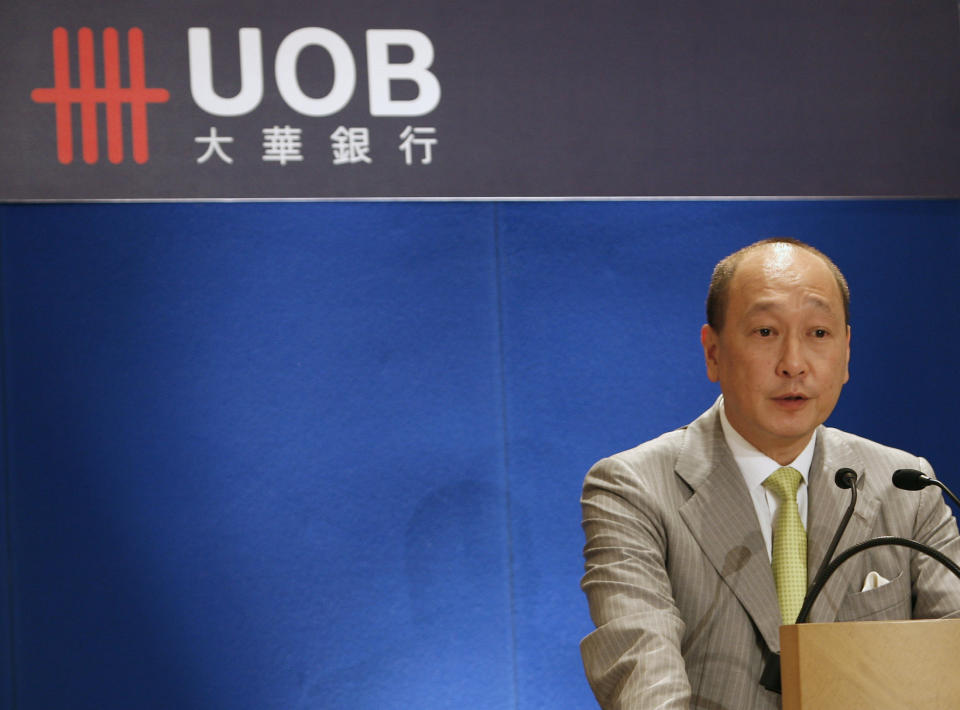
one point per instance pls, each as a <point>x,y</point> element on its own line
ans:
<point>820,333</point>
<point>764,332</point>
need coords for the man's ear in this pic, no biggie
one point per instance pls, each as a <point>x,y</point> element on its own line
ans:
<point>846,376</point>
<point>709,339</point>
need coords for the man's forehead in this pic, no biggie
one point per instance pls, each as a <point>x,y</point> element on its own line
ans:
<point>778,257</point>
<point>781,255</point>
<point>767,273</point>
<point>779,264</point>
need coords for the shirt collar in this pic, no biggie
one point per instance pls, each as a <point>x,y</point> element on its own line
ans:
<point>754,464</point>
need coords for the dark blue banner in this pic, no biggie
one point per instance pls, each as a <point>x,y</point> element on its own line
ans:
<point>291,99</point>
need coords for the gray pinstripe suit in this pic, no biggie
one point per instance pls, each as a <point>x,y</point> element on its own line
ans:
<point>679,581</point>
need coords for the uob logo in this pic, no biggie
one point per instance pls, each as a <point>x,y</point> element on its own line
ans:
<point>382,75</point>
<point>112,96</point>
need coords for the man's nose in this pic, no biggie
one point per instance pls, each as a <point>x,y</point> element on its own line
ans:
<point>792,359</point>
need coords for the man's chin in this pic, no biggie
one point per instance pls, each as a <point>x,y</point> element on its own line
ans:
<point>794,432</point>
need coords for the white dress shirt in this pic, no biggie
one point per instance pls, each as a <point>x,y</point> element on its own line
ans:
<point>755,467</point>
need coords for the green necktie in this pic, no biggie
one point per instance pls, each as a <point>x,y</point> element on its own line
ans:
<point>789,543</point>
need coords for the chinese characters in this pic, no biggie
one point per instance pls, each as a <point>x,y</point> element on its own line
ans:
<point>349,145</point>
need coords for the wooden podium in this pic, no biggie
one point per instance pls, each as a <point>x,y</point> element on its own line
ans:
<point>871,665</point>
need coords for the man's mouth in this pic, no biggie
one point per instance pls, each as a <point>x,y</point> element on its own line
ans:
<point>791,398</point>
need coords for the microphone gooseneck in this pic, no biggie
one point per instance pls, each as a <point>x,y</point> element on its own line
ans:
<point>844,478</point>
<point>877,542</point>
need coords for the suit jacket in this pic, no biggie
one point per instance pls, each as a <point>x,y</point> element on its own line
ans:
<point>679,581</point>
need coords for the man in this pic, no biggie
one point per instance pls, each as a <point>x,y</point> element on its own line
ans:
<point>680,531</point>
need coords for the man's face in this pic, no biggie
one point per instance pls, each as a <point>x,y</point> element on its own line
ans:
<point>781,357</point>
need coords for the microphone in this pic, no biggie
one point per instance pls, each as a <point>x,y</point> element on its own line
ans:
<point>845,478</point>
<point>908,479</point>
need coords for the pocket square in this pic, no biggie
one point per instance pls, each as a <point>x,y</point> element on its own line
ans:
<point>874,581</point>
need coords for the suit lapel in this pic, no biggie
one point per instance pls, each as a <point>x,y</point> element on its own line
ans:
<point>827,504</point>
<point>721,517</point>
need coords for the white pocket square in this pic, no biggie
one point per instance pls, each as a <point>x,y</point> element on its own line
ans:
<point>874,581</point>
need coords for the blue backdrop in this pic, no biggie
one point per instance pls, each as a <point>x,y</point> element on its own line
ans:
<point>316,455</point>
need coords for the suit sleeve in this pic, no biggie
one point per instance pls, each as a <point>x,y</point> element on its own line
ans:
<point>936,589</point>
<point>633,659</point>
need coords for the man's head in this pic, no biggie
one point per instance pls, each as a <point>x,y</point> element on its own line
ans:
<point>778,342</point>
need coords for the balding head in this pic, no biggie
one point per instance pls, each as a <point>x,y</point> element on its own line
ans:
<point>719,294</point>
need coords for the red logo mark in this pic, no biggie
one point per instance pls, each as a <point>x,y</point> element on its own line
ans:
<point>111,95</point>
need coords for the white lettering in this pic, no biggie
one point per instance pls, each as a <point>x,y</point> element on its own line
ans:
<point>344,71</point>
<point>201,73</point>
<point>382,72</point>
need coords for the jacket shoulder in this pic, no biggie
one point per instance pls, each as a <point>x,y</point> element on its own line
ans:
<point>646,462</point>
<point>873,454</point>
